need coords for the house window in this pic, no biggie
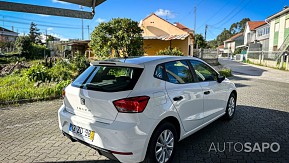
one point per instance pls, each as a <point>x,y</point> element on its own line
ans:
<point>287,23</point>
<point>276,27</point>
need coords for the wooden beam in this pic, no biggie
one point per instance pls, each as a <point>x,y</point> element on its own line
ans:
<point>87,3</point>
<point>19,7</point>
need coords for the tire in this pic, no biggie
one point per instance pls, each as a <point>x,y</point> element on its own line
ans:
<point>166,148</point>
<point>231,107</point>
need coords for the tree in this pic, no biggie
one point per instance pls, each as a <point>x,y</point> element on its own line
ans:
<point>34,33</point>
<point>121,35</point>
<point>239,26</point>
<point>51,38</point>
<point>23,45</point>
<point>200,41</point>
<point>226,34</point>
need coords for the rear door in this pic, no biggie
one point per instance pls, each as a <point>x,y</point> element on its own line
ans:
<point>92,93</point>
<point>185,94</point>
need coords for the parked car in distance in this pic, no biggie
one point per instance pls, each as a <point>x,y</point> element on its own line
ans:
<point>137,109</point>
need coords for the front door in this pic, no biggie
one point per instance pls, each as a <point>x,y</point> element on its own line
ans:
<point>215,93</point>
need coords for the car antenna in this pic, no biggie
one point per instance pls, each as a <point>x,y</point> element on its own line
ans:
<point>125,57</point>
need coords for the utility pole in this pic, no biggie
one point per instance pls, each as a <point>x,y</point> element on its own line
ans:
<point>81,7</point>
<point>206,28</point>
<point>195,21</point>
<point>45,43</point>
<point>88,35</point>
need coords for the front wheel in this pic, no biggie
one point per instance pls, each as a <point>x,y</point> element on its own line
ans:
<point>161,148</point>
<point>231,107</point>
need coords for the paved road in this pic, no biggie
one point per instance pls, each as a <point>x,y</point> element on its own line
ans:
<point>257,72</point>
<point>29,132</point>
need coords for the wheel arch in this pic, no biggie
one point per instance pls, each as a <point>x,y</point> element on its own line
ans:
<point>174,121</point>
<point>234,92</point>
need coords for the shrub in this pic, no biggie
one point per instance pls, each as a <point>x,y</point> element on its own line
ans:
<point>80,63</point>
<point>62,70</point>
<point>168,51</point>
<point>226,72</point>
<point>37,73</point>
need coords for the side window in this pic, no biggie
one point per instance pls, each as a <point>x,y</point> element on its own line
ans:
<point>204,72</point>
<point>178,72</point>
<point>159,72</point>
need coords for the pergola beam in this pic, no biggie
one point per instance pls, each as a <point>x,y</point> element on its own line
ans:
<point>19,7</point>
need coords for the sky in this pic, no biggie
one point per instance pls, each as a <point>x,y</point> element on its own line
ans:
<point>217,14</point>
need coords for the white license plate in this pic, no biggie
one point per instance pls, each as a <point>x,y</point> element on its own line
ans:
<point>86,133</point>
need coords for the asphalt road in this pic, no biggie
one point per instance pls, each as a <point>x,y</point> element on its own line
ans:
<point>29,132</point>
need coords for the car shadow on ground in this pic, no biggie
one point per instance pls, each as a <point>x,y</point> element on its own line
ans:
<point>249,125</point>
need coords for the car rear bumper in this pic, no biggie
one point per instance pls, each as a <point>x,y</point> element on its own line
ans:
<point>123,141</point>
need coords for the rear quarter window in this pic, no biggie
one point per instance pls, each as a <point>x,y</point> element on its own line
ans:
<point>108,78</point>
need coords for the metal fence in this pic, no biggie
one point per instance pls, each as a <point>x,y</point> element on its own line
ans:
<point>206,53</point>
<point>265,55</point>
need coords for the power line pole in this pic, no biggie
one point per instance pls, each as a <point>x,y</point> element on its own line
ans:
<point>195,14</point>
<point>206,28</point>
<point>195,21</point>
<point>81,7</point>
<point>88,35</point>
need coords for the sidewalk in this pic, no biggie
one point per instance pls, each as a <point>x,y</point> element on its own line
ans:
<point>254,71</point>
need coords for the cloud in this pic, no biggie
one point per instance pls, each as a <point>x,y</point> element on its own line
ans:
<point>57,1</point>
<point>100,20</point>
<point>49,29</point>
<point>62,38</point>
<point>43,15</point>
<point>43,37</point>
<point>165,13</point>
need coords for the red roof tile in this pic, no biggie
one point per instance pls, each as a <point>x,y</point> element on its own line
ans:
<point>255,24</point>
<point>182,27</point>
<point>234,37</point>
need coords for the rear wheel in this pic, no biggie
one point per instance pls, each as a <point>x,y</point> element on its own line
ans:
<point>161,147</point>
<point>231,107</point>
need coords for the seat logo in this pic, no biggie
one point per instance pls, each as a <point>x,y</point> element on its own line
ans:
<point>82,101</point>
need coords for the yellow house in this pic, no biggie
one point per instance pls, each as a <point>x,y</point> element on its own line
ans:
<point>159,34</point>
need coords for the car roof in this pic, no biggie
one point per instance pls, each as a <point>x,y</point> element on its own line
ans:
<point>147,60</point>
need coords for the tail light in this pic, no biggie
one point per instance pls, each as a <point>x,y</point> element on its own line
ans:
<point>131,105</point>
<point>63,92</point>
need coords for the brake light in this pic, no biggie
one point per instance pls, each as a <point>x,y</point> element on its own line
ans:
<point>63,92</point>
<point>132,105</point>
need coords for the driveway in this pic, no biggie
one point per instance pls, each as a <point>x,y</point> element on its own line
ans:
<point>29,132</point>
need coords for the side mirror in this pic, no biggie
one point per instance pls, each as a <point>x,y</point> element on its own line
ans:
<point>220,78</point>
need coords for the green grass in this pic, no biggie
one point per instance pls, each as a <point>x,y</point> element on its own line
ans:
<point>15,87</point>
<point>226,72</point>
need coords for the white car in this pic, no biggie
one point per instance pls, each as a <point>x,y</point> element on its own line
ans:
<point>137,109</point>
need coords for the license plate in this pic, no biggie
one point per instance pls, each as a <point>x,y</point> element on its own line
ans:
<point>86,133</point>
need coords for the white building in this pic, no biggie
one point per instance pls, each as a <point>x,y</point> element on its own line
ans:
<point>7,35</point>
<point>250,31</point>
<point>262,36</point>
<point>279,30</point>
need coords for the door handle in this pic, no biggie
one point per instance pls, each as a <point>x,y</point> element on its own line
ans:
<point>207,92</point>
<point>178,98</point>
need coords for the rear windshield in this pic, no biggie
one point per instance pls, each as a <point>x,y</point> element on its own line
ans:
<point>108,78</point>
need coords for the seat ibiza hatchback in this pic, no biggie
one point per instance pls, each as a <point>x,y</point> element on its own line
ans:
<point>137,109</point>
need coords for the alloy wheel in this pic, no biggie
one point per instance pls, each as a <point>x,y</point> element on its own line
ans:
<point>231,107</point>
<point>164,146</point>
